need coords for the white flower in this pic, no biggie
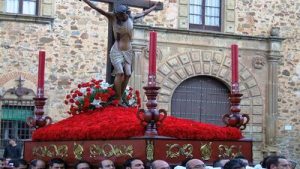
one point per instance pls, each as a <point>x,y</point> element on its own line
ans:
<point>131,101</point>
<point>105,85</point>
<point>83,90</point>
<point>96,103</point>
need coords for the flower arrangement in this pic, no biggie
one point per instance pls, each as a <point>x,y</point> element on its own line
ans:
<point>97,94</point>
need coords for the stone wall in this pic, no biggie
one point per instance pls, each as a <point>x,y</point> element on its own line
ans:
<point>75,45</point>
<point>256,17</point>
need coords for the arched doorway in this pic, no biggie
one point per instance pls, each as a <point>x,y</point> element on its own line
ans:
<point>201,98</point>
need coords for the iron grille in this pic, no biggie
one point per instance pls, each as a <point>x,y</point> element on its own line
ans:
<point>14,113</point>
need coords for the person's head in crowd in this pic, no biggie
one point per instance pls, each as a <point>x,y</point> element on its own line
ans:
<point>12,163</point>
<point>235,164</point>
<point>134,163</point>
<point>220,163</point>
<point>57,163</point>
<point>2,163</point>
<point>277,162</point>
<point>37,164</point>
<point>82,165</point>
<point>160,164</point>
<point>263,163</point>
<point>195,164</point>
<point>242,158</point>
<point>106,164</point>
<point>12,141</point>
<point>18,164</point>
<point>293,164</point>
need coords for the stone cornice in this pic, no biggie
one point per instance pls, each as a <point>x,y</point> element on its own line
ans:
<point>26,18</point>
<point>211,34</point>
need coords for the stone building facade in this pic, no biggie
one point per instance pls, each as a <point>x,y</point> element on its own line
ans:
<point>75,40</point>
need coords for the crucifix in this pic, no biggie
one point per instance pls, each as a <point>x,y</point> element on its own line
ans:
<point>145,4</point>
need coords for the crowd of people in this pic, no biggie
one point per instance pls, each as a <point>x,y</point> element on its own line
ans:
<point>12,160</point>
<point>270,162</point>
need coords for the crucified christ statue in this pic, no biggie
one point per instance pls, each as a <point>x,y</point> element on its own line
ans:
<point>121,54</point>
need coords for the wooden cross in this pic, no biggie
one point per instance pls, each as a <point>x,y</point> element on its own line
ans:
<point>132,3</point>
<point>112,4</point>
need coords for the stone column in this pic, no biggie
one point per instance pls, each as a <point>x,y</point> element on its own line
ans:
<point>272,96</point>
<point>136,80</point>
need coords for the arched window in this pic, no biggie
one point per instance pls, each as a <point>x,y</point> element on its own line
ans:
<point>201,98</point>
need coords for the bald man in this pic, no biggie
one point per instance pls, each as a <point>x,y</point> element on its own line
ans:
<point>160,164</point>
<point>106,164</point>
<point>195,164</point>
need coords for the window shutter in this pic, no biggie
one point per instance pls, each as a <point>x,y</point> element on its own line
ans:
<point>47,8</point>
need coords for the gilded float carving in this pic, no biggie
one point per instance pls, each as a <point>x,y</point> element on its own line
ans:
<point>50,151</point>
<point>109,150</point>
<point>175,150</point>
<point>229,151</point>
<point>206,151</point>
<point>150,150</point>
<point>78,151</point>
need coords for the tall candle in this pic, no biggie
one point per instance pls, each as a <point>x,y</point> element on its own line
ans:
<point>152,59</point>
<point>234,63</point>
<point>152,53</point>
<point>41,74</point>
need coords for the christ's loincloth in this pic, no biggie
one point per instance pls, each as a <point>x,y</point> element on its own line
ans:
<point>121,60</point>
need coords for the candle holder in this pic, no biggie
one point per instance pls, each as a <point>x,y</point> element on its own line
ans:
<point>234,118</point>
<point>151,118</point>
<point>39,120</point>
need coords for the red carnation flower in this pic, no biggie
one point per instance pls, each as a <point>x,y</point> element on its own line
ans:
<point>79,86</point>
<point>115,102</point>
<point>71,100</point>
<point>66,102</point>
<point>88,94</point>
<point>97,96</point>
<point>68,96</point>
<point>74,95</point>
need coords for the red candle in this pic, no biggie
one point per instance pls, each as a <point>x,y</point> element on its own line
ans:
<point>152,53</point>
<point>234,63</point>
<point>41,74</point>
<point>152,59</point>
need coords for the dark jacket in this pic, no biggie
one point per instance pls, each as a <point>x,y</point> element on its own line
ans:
<point>13,152</point>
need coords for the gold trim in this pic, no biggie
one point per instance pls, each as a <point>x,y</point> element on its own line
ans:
<point>175,150</point>
<point>150,150</point>
<point>50,151</point>
<point>78,151</point>
<point>226,151</point>
<point>109,150</point>
<point>206,151</point>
